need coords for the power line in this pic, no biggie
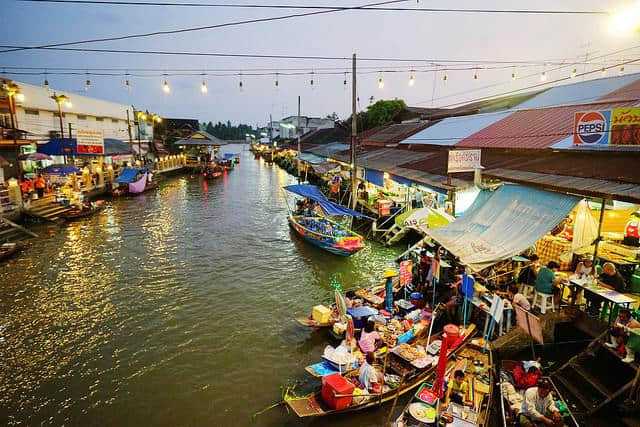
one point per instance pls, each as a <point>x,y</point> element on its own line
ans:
<point>201,28</point>
<point>319,7</point>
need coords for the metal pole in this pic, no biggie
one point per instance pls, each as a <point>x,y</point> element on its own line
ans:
<point>595,250</point>
<point>129,129</point>
<point>60,116</point>
<point>354,133</point>
<point>299,149</point>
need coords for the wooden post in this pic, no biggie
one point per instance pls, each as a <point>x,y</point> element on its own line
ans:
<point>354,133</point>
<point>595,250</point>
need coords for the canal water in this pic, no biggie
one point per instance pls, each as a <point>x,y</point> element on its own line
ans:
<point>172,308</point>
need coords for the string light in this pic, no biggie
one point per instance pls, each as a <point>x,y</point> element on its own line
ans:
<point>277,80</point>
<point>311,82</point>
<point>543,76</point>
<point>203,88</point>
<point>46,82</point>
<point>240,83</point>
<point>513,76</point>
<point>604,71</point>
<point>475,75</point>
<point>345,81</point>
<point>412,78</point>
<point>87,85</point>
<point>165,87</point>
<point>574,73</point>
<point>445,77</point>
<point>380,83</point>
<point>621,70</point>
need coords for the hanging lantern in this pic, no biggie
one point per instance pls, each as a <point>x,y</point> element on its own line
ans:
<point>380,83</point>
<point>87,85</point>
<point>311,81</point>
<point>165,87</point>
<point>445,77</point>
<point>543,76</point>
<point>574,73</point>
<point>203,88</point>
<point>412,79</point>
<point>621,70</point>
<point>513,76</point>
<point>276,79</point>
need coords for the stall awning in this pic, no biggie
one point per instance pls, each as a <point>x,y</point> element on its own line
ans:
<point>375,177</point>
<point>115,147</point>
<point>311,158</point>
<point>58,147</point>
<point>503,223</point>
<point>330,208</point>
<point>325,167</point>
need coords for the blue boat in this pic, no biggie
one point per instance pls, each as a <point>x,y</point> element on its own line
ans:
<point>319,230</point>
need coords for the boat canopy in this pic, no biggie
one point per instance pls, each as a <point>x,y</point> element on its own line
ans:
<point>230,156</point>
<point>503,223</point>
<point>128,175</point>
<point>330,208</point>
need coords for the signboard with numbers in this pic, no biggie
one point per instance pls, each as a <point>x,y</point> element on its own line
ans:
<point>89,142</point>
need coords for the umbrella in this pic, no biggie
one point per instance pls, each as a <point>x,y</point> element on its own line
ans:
<point>3,162</point>
<point>35,157</point>
<point>341,304</point>
<point>60,170</point>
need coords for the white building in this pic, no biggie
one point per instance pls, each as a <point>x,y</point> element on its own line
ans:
<point>293,126</point>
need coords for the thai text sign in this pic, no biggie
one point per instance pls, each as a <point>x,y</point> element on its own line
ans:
<point>406,272</point>
<point>463,161</point>
<point>89,142</point>
<point>619,126</point>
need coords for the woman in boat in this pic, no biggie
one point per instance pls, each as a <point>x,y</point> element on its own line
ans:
<point>369,376</point>
<point>369,338</point>
<point>457,389</point>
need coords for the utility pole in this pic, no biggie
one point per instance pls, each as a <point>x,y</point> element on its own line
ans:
<point>129,128</point>
<point>354,132</point>
<point>299,148</point>
<point>60,116</point>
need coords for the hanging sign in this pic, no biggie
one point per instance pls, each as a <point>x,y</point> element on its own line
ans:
<point>463,161</point>
<point>625,126</point>
<point>89,142</point>
<point>591,128</point>
<point>406,272</point>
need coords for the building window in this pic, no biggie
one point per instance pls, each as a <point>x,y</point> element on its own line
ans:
<point>114,120</point>
<point>32,112</point>
<point>56,114</point>
<point>99,119</point>
<point>82,117</point>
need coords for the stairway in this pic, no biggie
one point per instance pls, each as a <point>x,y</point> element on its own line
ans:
<point>46,208</point>
<point>593,378</point>
<point>394,234</point>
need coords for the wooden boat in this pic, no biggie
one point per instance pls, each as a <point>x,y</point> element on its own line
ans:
<point>7,250</point>
<point>313,405</point>
<point>83,212</point>
<point>478,368</point>
<point>133,181</point>
<point>510,415</point>
<point>326,234</point>
<point>373,296</point>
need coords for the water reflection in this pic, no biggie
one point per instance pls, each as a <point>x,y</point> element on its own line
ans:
<point>171,308</point>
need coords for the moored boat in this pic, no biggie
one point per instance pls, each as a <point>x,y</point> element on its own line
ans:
<point>7,250</point>
<point>82,212</point>
<point>133,181</point>
<point>403,362</point>
<point>311,221</point>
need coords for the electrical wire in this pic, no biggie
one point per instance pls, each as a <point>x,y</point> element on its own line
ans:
<point>319,7</point>
<point>201,28</point>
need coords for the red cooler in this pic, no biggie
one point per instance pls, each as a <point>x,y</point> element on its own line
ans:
<point>336,384</point>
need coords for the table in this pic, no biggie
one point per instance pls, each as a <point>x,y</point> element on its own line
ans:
<point>484,306</point>
<point>603,292</point>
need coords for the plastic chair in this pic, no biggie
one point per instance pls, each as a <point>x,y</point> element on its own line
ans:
<point>528,291</point>
<point>543,301</point>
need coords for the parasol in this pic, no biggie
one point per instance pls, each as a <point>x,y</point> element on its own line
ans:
<point>341,304</point>
<point>35,157</point>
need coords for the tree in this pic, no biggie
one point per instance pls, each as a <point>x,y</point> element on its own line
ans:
<point>383,112</point>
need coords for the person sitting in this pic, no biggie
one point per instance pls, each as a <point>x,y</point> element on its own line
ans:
<point>538,408</point>
<point>369,376</point>
<point>457,389</point>
<point>611,277</point>
<point>585,268</point>
<point>516,298</point>
<point>546,279</point>
<point>369,338</point>
<point>619,333</point>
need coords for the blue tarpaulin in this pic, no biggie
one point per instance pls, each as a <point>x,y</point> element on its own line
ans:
<point>127,176</point>
<point>230,156</point>
<point>312,192</point>
<point>374,177</point>
<point>503,223</point>
<point>60,170</point>
<point>58,147</point>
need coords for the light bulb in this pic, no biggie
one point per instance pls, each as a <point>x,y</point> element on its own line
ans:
<point>380,83</point>
<point>203,87</point>
<point>574,73</point>
<point>87,85</point>
<point>412,79</point>
<point>543,76</point>
<point>475,76</point>
<point>445,78</point>
<point>513,76</point>
<point>165,87</point>
<point>127,84</point>
<point>603,71</point>
<point>621,70</point>
<point>46,83</point>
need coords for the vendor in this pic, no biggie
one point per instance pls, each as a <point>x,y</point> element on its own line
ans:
<point>619,333</point>
<point>369,376</point>
<point>457,389</point>
<point>369,338</point>
<point>538,408</point>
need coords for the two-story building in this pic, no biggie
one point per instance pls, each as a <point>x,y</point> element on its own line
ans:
<point>294,126</point>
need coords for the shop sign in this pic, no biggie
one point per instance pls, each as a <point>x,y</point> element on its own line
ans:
<point>89,142</point>
<point>591,128</point>
<point>625,126</point>
<point>406,272</point>
<point>464,161</point>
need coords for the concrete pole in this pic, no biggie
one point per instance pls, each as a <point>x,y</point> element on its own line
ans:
<point>299,148</point>
<point>354,132</point>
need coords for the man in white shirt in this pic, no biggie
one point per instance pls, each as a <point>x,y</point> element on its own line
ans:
<point>538,408</point>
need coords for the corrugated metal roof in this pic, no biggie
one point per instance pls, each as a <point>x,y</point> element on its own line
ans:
<point>582,186</point>
<point>580,92</point>
<point>452,130</point>
<point>394,133</point>
<point>533,129</point>
<point>327,150</point>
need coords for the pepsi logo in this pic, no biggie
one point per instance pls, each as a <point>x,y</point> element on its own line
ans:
<point>591,128</point>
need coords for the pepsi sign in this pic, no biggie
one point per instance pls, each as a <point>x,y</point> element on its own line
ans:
<point>591,128</point>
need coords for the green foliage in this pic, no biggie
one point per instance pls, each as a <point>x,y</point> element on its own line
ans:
<point>383,112</point>
<point>228,131</point>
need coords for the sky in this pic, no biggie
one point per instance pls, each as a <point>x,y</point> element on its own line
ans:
<point>406,34</point>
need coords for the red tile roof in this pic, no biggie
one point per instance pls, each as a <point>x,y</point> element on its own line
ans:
<point>534,129</point>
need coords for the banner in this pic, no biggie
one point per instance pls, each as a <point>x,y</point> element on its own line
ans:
<point>463,161</point>
<point>89,142</point>
<point>625,126</point>
<point>406,272</point>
